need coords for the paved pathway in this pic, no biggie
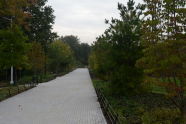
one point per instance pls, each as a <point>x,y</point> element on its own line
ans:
<point>70,99</point>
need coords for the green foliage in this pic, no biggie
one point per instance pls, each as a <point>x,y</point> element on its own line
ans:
<point>164,42</point>
<point>80,50</point>
<point>115,53</point>
<point>103,85</point>
<point>46,77</point>
<point>13,9</point>
<point>73,42</point>
<point>98,59</point>
<point>3,93</point>
<point>162,37</point>
<point>60,57</point>
<point>36,20</point>
<point>162,116</point>
<point>141,108</point>
<point>84,51</point>
<point>36,57</point>
<point>13,48</point>
<point>40,23</point>
<point>165,59</point>
<point>25,80</point>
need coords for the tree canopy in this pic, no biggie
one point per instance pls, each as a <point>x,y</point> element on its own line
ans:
<point>60,56</point>
<point>117,50</point>
<point>164,42</point>
<point>80,50</point>
<point>40,23</point>
<point>13,48</point>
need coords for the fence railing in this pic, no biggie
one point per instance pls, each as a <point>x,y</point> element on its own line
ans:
<point>6,92</point>
<point>111,116</point>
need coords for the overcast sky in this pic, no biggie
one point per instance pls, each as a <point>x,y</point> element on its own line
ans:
<point>84,18</point>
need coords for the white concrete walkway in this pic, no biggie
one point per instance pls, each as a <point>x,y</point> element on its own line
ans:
<point>70,99</point>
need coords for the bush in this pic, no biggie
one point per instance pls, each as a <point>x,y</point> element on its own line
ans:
<point>126,80</point>
<point>25,79</point>
<point>46,78</point>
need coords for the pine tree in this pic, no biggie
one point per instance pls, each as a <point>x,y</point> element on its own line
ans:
<point>152,26</point>
<point>40,23</point>
<point>165,58</point>
<point>119,49</point>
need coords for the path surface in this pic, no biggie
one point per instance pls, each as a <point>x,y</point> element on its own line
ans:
<point>70,99</point>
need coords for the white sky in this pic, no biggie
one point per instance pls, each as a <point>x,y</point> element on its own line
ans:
<point>84,18</point>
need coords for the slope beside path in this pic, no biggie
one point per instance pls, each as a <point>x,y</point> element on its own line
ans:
<point>70,99</point>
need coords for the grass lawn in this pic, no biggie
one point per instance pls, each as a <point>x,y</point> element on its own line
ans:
<point>139,108</point>
<point>158,90</point>
<point>6,92</point>
<point>3,93</point>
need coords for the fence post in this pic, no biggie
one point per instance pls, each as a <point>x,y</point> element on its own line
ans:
<point>109,112</point>
<point>9,92</point>
<point>116,119</point>
<point>25,86</point>
<point>18,89</point>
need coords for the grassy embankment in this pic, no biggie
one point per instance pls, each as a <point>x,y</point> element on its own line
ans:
<point>144,108</point>
<point>6,92</point>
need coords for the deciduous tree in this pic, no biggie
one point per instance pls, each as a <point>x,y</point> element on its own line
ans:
<point>13,48</point>
<point>36,57</point>
<point>164,53</point>
<point>60,57</point>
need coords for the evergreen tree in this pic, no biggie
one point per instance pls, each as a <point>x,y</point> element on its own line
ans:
<point>152,25</point>
<point>40,23</point>
<point>73,42</point>
<point>80,50</point>
<point>123,39</point>
<point>164,58</point>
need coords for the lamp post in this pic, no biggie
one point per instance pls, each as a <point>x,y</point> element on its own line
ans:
<point>12,69</point>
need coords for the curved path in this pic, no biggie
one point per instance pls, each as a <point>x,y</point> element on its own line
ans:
<point>70,99</point>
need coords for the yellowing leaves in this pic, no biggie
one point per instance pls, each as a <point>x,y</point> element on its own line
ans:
<point>36,57</point>
<point>60,56</point>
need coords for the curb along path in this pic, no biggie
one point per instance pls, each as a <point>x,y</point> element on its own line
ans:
<point>70,99</point>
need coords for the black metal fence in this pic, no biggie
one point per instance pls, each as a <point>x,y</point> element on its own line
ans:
<point>111,116</point>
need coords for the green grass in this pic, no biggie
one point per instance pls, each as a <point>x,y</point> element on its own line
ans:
<point>158,89</point>
<point>39,78</point>
<point>161,90</point>
<point>3,93</point>
<point>13,90</point>
<point>114,101</point>
<point>133,108</point>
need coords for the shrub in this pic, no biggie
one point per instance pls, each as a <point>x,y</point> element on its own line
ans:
<point>25,79</point>
<point>46,78</point>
